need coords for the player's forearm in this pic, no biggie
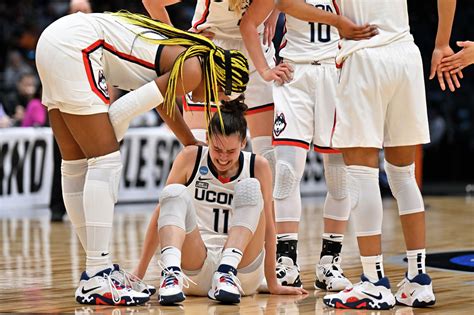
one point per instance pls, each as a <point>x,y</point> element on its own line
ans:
<point>157,10</point>
<point>306,12</point>
<point>151,243</point>
<point>446,10</point>
<point>251,39</point>
<point>177,125</point>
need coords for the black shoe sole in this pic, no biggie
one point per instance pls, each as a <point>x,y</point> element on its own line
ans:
<point>171,299</point>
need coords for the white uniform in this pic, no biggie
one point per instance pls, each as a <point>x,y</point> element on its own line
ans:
<point>215,16</point>
<point>305,107</point>
<point>212,200</point>
<point>381,92</point>
<point>80,54</point>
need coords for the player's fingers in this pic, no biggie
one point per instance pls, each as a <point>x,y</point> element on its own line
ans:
<point>448,79</point>
<point>440,80</point>
<point>455,79</point>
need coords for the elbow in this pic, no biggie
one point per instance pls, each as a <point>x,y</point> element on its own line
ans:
<point>283,5</point>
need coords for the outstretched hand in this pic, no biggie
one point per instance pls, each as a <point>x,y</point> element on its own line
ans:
<point>284,290</point>
<point>444,76</point>
<point>349,30</point>
<point>460,60</point>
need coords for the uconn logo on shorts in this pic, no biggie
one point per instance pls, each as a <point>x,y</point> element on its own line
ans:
<point>279,124</point>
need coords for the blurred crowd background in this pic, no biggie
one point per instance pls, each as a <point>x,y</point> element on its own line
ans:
<point>448,159</point>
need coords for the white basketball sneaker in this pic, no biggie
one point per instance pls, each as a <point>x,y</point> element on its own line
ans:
<point>225,288</point>
<point>103,289</point>
<point>329,275</point>
<point>363,295</point>
<point>132,281</point>
<point>417,292</point>
<point>171,287</point>
<point>288,273</point>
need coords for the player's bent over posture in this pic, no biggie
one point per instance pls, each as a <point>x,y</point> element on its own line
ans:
<point>78,56</point>
<point>214,222</point>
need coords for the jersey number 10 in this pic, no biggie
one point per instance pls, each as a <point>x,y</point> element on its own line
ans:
<point>324,30</point>
<point>225,219</point>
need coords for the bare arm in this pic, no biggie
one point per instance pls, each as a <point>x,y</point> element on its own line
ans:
<point>264,176</point>
<point>255,15</point>
<point>446,10</point>
<point>157,9</point>
<point>179,174</point>
<point>306,12</point>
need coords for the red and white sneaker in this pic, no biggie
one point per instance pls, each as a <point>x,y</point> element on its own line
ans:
<point>171,288</point>
<point>225,288</point>
<point>417,292</point>
<point>103,289</point>
<point>363,295</point>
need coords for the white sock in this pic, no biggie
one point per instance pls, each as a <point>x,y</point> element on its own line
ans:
<point>231,257</point>
<point>416,262</point>
<point>171,257</point>
<point>287,237</point>
<point>372,267</point>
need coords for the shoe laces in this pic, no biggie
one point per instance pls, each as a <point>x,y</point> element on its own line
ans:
<point>116,296</point>
<point>130,280</point>
<point>231,279</point>
<point>281,268</point>
<point>169,276</point>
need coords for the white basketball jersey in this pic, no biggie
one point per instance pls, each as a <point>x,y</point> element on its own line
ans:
<point>307,41</point>
<point>128,60</point>
<point>390,17</point>
<point>212,198</point>
<point>217,17</point>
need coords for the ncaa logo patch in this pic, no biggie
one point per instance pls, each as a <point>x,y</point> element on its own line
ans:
<point>279,124</point>
<point>203,170</point>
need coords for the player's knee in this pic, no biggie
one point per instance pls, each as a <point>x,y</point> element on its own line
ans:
<point>106,170</point>
<point>336,175</point>
<point>247,204</point>
<point>366,200</point>
<point>176,208</point>
<point>404,188</point>
<point>263,146</point>
<point>285,180</point>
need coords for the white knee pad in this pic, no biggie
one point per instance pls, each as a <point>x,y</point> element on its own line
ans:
<point>247,204</point>
<point>337,205</point>
<point>404,188</point>
<point>72,180</point>
<point>263,146</point>
<point>133,104</point>
<point>200,134</point>
<point>106,170</point>
<point>176,208</point>
<point>288,172</point>
<point>366,200</point>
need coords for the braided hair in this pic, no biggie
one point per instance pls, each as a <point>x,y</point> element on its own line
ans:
<point>226,68</point>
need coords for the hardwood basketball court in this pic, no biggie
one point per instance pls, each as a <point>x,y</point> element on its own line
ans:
<point>41,262</point>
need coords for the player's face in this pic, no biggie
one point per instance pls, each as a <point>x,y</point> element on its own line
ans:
<point>225,150</point>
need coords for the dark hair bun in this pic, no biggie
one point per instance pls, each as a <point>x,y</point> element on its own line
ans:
<point>236,106</point>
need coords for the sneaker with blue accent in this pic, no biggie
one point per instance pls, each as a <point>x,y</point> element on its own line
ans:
<point>417,292</point>
<point>132,281</point>
<point>288,272</point>
<point>225,288</point>
<point>171,288</point>
<point>363,295</point>
<point>104,289</point>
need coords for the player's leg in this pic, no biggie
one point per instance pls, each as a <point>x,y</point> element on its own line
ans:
<point>247,213</point>
<point>260,125</point>
<point>178,233</point>
<point>407,128</point>
<point>359,133</point>
<point>194,116</point>
<point>336,211</point>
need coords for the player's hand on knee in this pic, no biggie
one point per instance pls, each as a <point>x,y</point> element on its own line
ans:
<point>284,290</point>
<point>349,30</point>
